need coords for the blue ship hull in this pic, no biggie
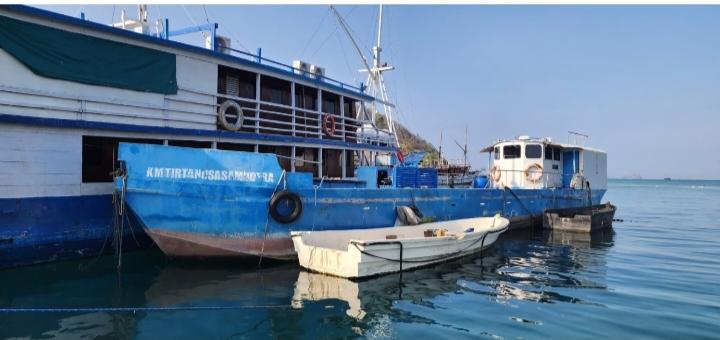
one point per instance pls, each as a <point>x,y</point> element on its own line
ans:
<point>200,203</point>
<point>42,229</point>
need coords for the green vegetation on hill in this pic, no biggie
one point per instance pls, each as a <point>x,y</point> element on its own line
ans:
<point>410,142</point>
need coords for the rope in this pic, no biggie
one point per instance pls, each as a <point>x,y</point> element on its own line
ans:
<point>134,309</point>
<point>312,36</point>
<point>521,202</point>
<point>438,258</point>
<point>267,218</point>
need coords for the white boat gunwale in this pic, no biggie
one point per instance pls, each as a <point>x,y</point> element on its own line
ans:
<point>336,260</point>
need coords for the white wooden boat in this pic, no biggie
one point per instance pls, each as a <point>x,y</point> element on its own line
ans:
<point>368,252</point>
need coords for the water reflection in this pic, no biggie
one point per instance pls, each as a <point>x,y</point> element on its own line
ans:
<point>285,301</point>
<point>523,267</point>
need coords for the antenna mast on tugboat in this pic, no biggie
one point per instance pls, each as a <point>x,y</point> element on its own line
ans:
<point>440,155</point>
<point>375,81</point>
<point>463,148</point>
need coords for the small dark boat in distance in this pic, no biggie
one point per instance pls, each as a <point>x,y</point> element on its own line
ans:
<point>581,219</point>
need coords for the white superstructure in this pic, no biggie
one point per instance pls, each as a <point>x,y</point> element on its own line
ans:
<point>537,163</point>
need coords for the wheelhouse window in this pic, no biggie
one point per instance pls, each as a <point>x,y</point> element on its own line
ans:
<point>533,151</point>
<point>496,151</point>
<point>99,156</point>
<point>556,154</point>
<point>511,151</point>
<point>549,152</point>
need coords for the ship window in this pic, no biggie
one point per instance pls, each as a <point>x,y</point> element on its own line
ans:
<point>190,144</point>
<point>496,151</point>
<point>350,107</point>
<point>556,154</point>
<point>306,97</point>
<point>236,82</point>
<point>549,152</point>
<point>306,160</point>
<point>99,156</point>
<point>330,103</point>
<point>283,153</point>
<point>349,163</point>
<point>236,147</point>
<point>533,151</point>
<point>274,90</point>
<point>511,151</point>
<point>332,163</point>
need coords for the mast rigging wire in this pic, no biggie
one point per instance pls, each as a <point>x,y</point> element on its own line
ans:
<point>312,36</point>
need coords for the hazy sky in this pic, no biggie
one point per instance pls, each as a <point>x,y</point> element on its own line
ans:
<point>642,81</point>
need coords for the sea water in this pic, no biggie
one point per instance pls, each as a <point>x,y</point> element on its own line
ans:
<point>656,274</point>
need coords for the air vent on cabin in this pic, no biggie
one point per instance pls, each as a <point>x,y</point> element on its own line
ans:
<point>224,44</point>
<point>317,70</point>
<point>305,68</point>
<point>232,85</point>
<point>301,67</point>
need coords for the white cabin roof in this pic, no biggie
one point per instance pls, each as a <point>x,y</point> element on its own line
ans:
<point>533,140</point>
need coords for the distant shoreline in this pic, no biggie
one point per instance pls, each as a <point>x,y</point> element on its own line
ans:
<point>664,180</point>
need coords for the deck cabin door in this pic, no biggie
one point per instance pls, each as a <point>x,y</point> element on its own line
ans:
<point>571,165</point>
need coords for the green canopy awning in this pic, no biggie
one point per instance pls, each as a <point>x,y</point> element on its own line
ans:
<point>59,54</point>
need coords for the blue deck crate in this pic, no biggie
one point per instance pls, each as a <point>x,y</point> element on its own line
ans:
<point>412,177</point>
<point>427,178</point>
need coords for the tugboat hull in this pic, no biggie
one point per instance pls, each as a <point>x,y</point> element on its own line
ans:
<point>189,215</point>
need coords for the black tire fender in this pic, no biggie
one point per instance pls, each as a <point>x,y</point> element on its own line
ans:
<point>277,199</point>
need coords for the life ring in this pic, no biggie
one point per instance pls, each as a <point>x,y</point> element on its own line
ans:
<point>329,125</point>
<point>534,175</point>
<point>284,197</point>
<point>495,173</point>
<point>222,115</point>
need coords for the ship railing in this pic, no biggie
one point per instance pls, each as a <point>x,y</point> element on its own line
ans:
<point>285,67</point>
<point>188,107</point>
<point>262,116</point>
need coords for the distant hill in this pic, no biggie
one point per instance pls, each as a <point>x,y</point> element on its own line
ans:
<point>410,142</point>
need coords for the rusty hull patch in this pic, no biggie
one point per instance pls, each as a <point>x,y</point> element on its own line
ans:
<point>181,244</point>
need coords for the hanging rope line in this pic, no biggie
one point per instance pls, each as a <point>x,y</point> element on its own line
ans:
<point>267,218</point>
<point>331,34</point>
<point>521,202</point>
<point>312,36</point>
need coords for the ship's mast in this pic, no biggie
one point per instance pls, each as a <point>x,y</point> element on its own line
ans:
<point>464,148</point>
<point>440,155</point>
<point>375,81</point>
